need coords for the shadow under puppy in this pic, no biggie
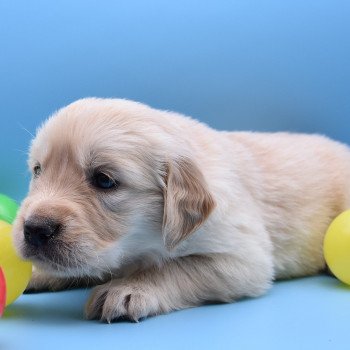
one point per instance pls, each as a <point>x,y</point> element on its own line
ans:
<point>170,213</point>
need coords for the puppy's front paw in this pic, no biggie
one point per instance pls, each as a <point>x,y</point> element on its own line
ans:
<point>42,282</point>
<point>120,298</point>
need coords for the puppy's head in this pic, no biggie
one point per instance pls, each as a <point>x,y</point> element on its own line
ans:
<point>106,185</point>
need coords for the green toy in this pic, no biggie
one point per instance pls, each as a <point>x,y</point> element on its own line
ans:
<point>8,209</point>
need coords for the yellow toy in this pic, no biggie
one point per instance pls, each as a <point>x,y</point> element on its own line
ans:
<point>17,272</point>
<point>337,247</point>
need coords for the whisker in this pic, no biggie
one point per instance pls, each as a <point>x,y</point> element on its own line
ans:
<point>25,129</point>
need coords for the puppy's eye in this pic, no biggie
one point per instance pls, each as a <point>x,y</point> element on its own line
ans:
<point>103,181</point>
<point>37,170</point>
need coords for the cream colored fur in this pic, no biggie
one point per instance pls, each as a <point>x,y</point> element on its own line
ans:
<point>200,215</point>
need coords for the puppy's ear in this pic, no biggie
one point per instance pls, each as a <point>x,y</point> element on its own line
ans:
<point>187,201</point>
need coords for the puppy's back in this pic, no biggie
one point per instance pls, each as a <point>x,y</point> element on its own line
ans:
<point>304,184</point>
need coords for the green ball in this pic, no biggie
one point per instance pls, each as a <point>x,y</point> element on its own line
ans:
<point>8,209</point>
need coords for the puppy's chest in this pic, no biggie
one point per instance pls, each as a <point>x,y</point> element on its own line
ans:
<point>138,264</point>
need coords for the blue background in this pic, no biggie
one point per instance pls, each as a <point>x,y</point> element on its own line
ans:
<point>305,314</point>
<point>257,65</point>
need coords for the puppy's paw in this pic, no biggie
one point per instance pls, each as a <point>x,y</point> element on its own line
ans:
<point>119,299</point>
<point>43,282</point>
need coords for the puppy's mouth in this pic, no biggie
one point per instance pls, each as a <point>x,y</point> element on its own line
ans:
<point>55,257</point>
<point>50,259</point>
<point>60,248</point>
<point>46,242</point>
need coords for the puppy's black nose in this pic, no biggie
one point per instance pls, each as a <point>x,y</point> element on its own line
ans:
<point>38,231</point>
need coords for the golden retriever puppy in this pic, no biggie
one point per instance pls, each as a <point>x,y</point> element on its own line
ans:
<point>165,213</point>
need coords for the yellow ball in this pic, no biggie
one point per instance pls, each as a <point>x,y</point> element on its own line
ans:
<point>337,247</point>
<point>17,272</point>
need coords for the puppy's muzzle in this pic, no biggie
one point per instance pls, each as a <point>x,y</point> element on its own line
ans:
<point>39,230</point>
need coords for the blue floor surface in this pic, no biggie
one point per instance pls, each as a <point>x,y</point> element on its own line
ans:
<point>308,313</point>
